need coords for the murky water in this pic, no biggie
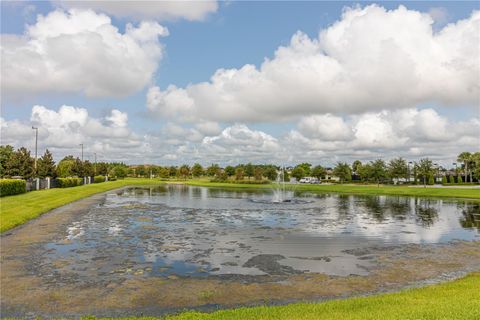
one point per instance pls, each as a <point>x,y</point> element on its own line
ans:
<point>170,231</point>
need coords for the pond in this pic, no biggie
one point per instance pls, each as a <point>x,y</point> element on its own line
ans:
<point>184,231</point>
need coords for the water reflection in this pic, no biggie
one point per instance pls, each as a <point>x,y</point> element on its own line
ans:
<point>198,231</point>
<point>470,216</point>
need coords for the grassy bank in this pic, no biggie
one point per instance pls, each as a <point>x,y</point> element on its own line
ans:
<point>467,193</point>
<point>459,299</point>
<point>18,209</point>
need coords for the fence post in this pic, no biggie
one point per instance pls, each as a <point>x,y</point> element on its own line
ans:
<point>37,184</point>
<point>106,178</point>
<point>48,183</point>
<point>89,180</point>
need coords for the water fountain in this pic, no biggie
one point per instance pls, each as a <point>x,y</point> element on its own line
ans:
<point>279,194</point>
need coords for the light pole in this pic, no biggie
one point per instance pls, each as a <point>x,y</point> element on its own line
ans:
<point>36,144</point>
<point>81,144</point>
<point>409,175</point>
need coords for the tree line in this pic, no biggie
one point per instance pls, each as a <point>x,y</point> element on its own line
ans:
<point>20,163</point>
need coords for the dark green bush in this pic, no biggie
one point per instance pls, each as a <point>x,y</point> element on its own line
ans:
<point>69,182</point>
<point>10,187</point>
<point>98,179</point>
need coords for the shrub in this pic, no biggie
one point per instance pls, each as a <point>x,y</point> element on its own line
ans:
<point>431,180</point>
<point>444,180</point>
<point>98,179</point>
<point>69,182</point>
<point>459,179</point>
<point>451,179</point>
<point>10,187</point>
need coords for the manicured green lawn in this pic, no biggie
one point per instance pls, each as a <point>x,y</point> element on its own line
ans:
<point>460,192</point>
<point>458,299</point>
<point>18,209</point>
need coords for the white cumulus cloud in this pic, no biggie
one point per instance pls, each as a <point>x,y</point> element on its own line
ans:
<point>80,51</point>
<point>371,59</point>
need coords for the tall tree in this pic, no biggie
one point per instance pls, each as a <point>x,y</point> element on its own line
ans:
<point>213,170</point>
<point>184,171</point>
<point>343,171</point>
<point>258,173</point>
<point>379,170</point>
<point>465,157</point>
<point>476,165</point>
<point>77,168</point>
<point>298,173</point>
<point>319,172</point>
<point>65,167</point>
<point>5,153</point>
<point>197,170</point>
<point>249,170</point>
<point>364,171</point>
<point>306,168</point>
<point>271,173</point>
<point>397,168</point>
<point>424,169</point>
<point>20,164</point>
<point>46,166</point>
<point>355,165</point>
<point>230,171</point>
<point>239,173</point>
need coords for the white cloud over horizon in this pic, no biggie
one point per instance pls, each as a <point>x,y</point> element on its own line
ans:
<point>80,51</point>
<point>62,131</point>
<point>371,59</point>
<point>411,133</point>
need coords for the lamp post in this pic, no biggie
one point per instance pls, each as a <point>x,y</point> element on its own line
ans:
<point>36,144</point>
<point>409,175</point>
<point>81,144</point>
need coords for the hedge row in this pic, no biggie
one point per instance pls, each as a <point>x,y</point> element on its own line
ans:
<point>69,182</point>
<point>98,179</point>
<point>10,187</point>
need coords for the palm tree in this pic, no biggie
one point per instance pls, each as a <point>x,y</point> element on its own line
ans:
<point>465,157</point>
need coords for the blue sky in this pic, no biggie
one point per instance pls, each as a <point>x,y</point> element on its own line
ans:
<point>233,35</point>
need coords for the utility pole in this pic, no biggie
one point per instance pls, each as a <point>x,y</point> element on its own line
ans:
<point>95,166</point>
<point>409,175</point>
<point>36,144</point>
<point>81,144</point>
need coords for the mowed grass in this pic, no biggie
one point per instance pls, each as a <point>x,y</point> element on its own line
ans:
<point>18,209</point>
<point>461,192</point>
<point>459,299</point>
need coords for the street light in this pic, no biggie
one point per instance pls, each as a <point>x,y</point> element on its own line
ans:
<point>81,144</point>
<point>409,175</point>
<point>36,144</point>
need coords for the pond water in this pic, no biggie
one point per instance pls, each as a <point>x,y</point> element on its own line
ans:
<point>174,230</point>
